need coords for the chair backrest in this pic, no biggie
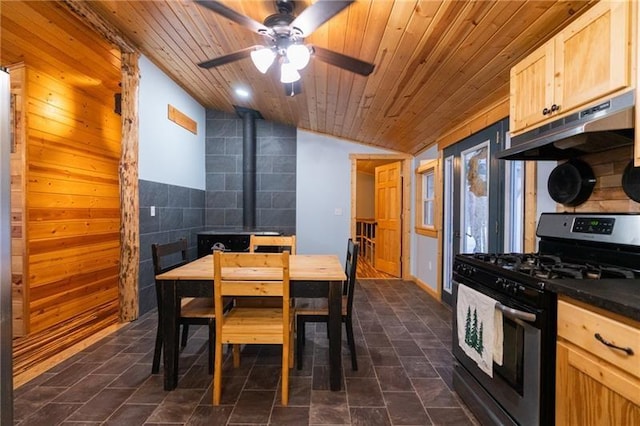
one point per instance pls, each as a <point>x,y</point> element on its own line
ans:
<point>167,257</point>
<point>250,274</point>
<point>350,267</point>
<point>283,242</point>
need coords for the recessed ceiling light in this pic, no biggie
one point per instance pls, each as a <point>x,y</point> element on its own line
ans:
<point>243,93</point>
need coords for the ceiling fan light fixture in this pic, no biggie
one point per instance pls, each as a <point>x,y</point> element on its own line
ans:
<point>298,55</point>
<point>263,58</point>
<point>288,73</point>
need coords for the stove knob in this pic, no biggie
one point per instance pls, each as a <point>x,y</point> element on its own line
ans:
<point>501,282</point>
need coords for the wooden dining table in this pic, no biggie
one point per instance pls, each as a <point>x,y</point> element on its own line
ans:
<point>315,276</point>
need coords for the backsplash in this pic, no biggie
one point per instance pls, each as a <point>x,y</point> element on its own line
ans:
<point>608,195</point>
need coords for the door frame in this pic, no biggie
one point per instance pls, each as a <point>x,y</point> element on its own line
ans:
<point>406,159</point>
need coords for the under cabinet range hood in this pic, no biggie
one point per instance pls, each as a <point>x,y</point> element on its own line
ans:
<point>601,127</point>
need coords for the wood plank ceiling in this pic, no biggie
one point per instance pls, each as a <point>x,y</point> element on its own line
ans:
<point>437,62</point>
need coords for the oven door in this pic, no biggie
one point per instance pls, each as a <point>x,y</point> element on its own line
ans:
<point>515,385</point>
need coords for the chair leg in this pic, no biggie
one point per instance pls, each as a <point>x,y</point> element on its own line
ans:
<point>285,374</point>
<point>291,347</point>
<point>236,355</point>
<point>217,374</point>
<point>352,344</point>
<point>185,335</point>
<point>157,351</point>
<point>300,326</point>
<point>210,346</point>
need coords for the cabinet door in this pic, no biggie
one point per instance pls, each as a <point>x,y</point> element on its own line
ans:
<point>592,55</point>
<point>531,88</point>
<point>590,391</point>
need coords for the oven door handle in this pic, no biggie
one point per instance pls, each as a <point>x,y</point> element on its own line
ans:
<point>515,313</point>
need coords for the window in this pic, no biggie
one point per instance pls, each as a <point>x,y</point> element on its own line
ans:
<point>514,207</point>
<point>426,198</point>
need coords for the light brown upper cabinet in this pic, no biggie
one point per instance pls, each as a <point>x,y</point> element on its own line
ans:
<point>589,59</point>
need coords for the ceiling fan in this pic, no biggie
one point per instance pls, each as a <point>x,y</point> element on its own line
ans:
<point>285,34</point>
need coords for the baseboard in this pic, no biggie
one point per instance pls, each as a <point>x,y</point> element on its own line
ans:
<point>426,287</point>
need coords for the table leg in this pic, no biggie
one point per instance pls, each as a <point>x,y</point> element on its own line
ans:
<point>170,333</point>
<point>335,334</point>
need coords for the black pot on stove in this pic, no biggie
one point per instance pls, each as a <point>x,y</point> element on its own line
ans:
<point>571,183</point>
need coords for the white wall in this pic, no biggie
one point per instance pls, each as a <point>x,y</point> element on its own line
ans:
<point>169,153</point>
<point>323,189</point>
<point>424,250</point>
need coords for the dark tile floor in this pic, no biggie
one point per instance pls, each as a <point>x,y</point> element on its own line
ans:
<point>404,375</point>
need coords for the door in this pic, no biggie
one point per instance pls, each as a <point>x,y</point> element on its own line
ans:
<point>517,383</point>
<point>388,208</point>
<point>591,56</point>
<point>532,88</point>
<point>474,195</point>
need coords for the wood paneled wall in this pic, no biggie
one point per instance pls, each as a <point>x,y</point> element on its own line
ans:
<point>73,199</point>
<point>71,211</point>
<point>608,195</point>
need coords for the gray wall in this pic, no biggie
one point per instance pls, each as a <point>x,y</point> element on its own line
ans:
<point>184,212</point>
<point>179,214</point>
<point>275,180</point>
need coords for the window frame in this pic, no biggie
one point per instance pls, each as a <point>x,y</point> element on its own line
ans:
<point>425,168</point>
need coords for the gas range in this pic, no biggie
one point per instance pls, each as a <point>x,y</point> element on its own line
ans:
<point>589,246</point>
<point>579,249</point>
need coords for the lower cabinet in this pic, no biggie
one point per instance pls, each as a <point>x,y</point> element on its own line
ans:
<point>596,383</point>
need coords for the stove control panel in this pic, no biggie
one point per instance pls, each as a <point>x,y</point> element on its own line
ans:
<point>509,286</point>
<point>593,225</point>
<point>465,270</point>
<point>609,228</point>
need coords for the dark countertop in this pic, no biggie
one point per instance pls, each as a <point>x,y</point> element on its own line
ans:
<point>618,296</point>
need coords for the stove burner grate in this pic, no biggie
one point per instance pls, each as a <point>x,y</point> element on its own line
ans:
<point>548,266</point>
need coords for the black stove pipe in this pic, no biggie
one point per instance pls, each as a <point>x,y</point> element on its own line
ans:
<point>249,147</point>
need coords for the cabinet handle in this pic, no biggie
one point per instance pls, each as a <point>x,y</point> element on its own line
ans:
<point>555,108</point>
<point>546,111</point>
<point>601,339</point>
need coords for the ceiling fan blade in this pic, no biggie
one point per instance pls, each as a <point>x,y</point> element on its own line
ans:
<point>232,15</point>
<point>317,14</point>
<point>343,61</point>
<point>292,89</point>
<point>225,59</point>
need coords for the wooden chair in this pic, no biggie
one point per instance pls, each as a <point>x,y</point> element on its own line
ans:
<point>192,310</point>
<point>250,325</point>
<point>283,242</point>
<point>316,310</point>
